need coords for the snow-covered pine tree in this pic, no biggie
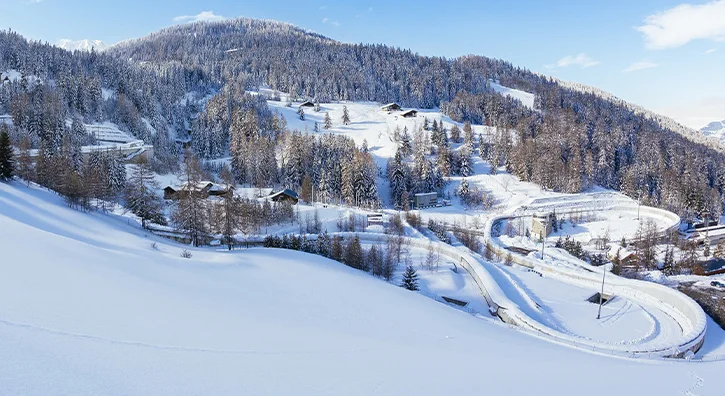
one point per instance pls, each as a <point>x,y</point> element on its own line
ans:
<point>301,113</point>
<point>463,189</point>
<point>410,278</point>
<point>455,134</point>
<point>468,138</point>
<point>328,121</point>
<point>406,146</point>
<point>466,167</point>
<point>345,116</point>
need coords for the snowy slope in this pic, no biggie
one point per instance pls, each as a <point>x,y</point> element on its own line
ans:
<point>715,129</point>
<point>526,98</point>
<point>88,306</point>
<point>82,45</point>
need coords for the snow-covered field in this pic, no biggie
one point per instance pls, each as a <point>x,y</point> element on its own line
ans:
<point>89,306</point>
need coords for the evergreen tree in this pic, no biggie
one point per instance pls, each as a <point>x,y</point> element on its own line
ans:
<point>328,121</point>
<point>7,163</point>
<point>25,166</point>
<point>301,113</point>
<point>374,260</point>
<point>455,134</point>
<point>410,278</point>
<point>345,116</point>
<point>468,138</point>
<point>190,212</point>
<point>466,167</point>
<point>140,197</point>
<point>463,189</point>
<point>336,248</point>
<point>354,255</point>
<point>406,147</point>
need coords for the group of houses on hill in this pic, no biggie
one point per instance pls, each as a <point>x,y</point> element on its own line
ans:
<point>391,107</point>
<point>206,189</point>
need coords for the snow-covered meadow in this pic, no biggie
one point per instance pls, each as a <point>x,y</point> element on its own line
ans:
<point>91,305</point>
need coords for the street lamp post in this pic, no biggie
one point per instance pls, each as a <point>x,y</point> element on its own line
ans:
<point>543,238</point>
<point>601,294</point>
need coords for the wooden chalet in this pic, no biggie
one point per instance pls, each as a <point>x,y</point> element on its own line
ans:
<point>204,189</point>
<point>307,103</point>
<point>409,113</point>
<point>626,258</point>
<point>285,195</point>
<point>391,107</point>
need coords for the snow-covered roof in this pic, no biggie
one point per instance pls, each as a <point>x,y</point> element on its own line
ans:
<point>409,112</point>
<point>199,186</point>
<point>286,191</point>
<point>387,106</point>
<point>623,253</point>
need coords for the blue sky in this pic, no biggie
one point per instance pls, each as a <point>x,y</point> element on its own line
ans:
<point>668,56</point>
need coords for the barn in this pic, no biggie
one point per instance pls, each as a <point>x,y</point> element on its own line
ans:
<point>409,113</point>
<point>307,103</point>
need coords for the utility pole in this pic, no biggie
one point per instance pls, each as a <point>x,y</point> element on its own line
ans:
<point>639,203</point>
<point>601,294</point>
<point>543,238</point>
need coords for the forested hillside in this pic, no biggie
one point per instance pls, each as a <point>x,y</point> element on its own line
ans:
<point>572,139</point>
<point>51,86</point>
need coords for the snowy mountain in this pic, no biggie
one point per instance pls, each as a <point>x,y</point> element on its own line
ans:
<point>715,129</point>
<point>82,45</point>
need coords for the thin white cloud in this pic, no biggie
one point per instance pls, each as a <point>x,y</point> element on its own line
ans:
<point>204,16</point>
<point>33,1</point>
<point>710,51</point>
<point>582,60</point>
<point>641,65</point>
<point>684,23</point>
<point>324,7</point>
<point>333,23</point>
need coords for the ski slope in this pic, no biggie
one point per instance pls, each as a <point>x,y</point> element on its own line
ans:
<point>88,306</point>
